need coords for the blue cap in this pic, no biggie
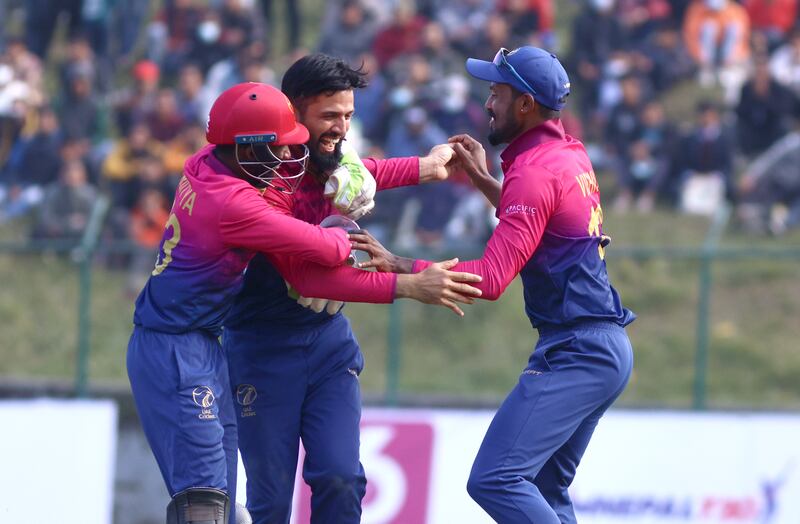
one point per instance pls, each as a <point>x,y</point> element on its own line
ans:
<point>530,70</point>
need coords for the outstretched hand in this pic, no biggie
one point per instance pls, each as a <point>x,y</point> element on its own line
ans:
<point>380,258</point>
<point>439,286</point>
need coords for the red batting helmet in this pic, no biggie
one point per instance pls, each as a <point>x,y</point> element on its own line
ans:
<point>252,113</point>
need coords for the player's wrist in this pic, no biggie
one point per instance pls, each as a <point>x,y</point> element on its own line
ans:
<point>428,169</point>
<point>403,286</point>
<point>402,265</point>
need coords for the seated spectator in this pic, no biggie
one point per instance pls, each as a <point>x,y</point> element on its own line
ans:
<point>704,160</point>
<point>146,227</point>
<point>640,18</point>
<point>370,101</point>
<point>190,139</point>
<point>437,52</point>
<point>403,35</point>
<point>131,104</point>
<point>190,94</point>
<point>231,71</point>
<point>717,34</point>
<point>165,121</point>
<point>644,180</point>
<point>123,165</point>
<point>785,63</point>
<point>667,61</point>
<point>171,33</point>
<point>14,110</point>
<point>465,22</point>
<point>642,174</point>
<point>764,111</point>
<point>153,176</point>
<point>34,163</point>
<point>81,60</point>
<point>351,32</point>
<point>211,41</point>
<point>497,34</point>
<point>773,19</point>
<point>596,35</point>
<point>770,188</point>
<point>66,206</point>
<point>413,134</point>
<point>79,112</point>
<point>27,68</point>
<point>624,124</point>
<point>531,22</point>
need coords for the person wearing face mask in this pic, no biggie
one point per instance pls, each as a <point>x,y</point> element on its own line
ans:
<point>717,35</point>
<point>705,163</point>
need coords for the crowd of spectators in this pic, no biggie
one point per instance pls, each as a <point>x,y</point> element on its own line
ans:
<point>115,101</point>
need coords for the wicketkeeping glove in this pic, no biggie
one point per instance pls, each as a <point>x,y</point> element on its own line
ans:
<point>315,304</point>
<point>351,186</point>
<point>318,304</point>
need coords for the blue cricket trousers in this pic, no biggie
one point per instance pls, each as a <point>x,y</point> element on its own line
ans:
<point>293,384</point>
<point>181,389</point>
<point>533,446</point>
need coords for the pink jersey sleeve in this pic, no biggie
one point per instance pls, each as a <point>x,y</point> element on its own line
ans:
<point>248,221</point>
<point>394,172</point>
<point>340,283</point>
<point>528,199</point>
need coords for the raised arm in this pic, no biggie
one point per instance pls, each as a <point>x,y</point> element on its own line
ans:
<point>472,159</point>
<point>529,198</point>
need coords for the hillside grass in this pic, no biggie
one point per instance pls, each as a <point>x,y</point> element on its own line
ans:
<point>754,358</point>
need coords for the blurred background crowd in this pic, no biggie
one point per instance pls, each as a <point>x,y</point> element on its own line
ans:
<point>108,97</point>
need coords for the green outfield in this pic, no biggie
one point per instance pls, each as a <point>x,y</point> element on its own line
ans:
<point>754,357</point>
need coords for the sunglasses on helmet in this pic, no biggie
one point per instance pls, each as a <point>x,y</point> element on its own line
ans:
<point>500,60</point>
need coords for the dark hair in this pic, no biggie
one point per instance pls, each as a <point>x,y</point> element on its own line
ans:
<point>319,73</point>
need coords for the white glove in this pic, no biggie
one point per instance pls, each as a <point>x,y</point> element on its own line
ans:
<point>315,304</point>
<point>351,186</point>
<point>318,304</point>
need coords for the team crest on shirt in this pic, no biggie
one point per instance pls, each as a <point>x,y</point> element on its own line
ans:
<point>245,395</point>
<point>204,397</point>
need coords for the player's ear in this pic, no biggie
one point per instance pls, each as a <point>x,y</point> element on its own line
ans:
<point>528,104</point>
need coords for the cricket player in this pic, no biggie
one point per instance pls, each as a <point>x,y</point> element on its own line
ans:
<point>550,232</point>
<point>219,220</point>
<point>295,371</point>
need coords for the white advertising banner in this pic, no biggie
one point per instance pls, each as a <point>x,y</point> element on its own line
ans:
<point>640,468</point>
<point>57,461</point>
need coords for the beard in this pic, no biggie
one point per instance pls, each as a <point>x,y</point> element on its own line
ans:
<point>325,163</point>
<point>504,134</point>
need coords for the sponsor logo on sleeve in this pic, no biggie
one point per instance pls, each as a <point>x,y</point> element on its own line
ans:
<point>519,209</point>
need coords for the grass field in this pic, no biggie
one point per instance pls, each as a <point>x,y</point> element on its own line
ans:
<point>754,352</point>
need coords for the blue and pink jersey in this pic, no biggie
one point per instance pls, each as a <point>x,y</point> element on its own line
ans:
<point>217,224</point>
<point>550,231</point>
<point>264,298</point>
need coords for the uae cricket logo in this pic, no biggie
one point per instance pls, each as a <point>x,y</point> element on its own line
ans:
<point>204,398</point>
<point>245,395</point>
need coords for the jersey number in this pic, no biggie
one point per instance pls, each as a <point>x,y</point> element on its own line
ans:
<point>169,245</point>
<point>595,223</point>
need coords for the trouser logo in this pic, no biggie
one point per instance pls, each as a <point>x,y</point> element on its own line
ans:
<point>204,398</point>
<point>245,395</point>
